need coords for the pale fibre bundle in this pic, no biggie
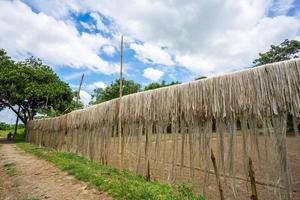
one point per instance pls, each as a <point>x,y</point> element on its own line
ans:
<point>252,96</point>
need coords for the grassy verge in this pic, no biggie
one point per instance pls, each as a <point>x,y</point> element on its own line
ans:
<point>120,184</point>
<point>3,133</point>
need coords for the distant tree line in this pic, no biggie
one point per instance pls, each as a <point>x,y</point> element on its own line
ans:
<point>5,126</point>
<point>129,87</point>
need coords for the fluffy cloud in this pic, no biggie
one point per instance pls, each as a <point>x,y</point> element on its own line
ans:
<point>7,116</point>
<point>99,22</point>
<point>203,36</point>
<point>149,53</point>
<point>95,85</point>
<point>57,42</point>
<point>109,50</point>
<point>85,97</point>
<point>153,74</point>
<point>88,26</point>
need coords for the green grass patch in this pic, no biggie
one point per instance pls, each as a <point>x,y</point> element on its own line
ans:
<point>19,136</point>
<point>120,184</point>
<point>3,133</point>
<point>10,169</point>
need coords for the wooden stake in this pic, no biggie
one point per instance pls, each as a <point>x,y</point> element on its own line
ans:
<point>148,177</point>
<point>213,159</point>
<point>120,97</point>
<point>252,180</point>
<point>78,95</point>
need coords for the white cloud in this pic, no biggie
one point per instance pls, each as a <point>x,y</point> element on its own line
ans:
<point>149,53</point>
<point>153,74</point>
<point>109,50</point>
<point>7,116</point>
<point>99,24</point>
<point>88,26</point>
<point>85,97</point>
<point>98,84</point>
<point>204,36</point>
<point>54,41</point>
<point>56,8</point>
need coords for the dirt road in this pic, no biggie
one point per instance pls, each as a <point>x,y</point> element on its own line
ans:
<point>25,177</point>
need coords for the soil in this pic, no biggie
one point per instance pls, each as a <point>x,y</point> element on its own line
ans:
<point>38,179</point>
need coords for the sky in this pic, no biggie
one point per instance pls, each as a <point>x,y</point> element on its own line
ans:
<point>172,40</point>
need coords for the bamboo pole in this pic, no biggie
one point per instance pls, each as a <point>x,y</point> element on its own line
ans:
<point>120,98</point>
<point>213,159</point>
<point>252,180</point>
<point>78,94</point>
<point>148,176</point>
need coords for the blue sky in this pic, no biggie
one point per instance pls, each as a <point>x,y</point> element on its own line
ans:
<point>164,40</point>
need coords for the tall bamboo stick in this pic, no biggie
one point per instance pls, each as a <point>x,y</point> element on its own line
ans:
<point>213,159</point>
<point>120,97</point>
<point>252,180</point>
<point>78,95</point>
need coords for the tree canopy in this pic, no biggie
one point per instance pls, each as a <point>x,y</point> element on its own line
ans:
<point>285,51</point>
<point>288,49</point>
<point>200,77</point>
<point>112,91</point>
<point>156,85</point>
<point>33,87</point>
<point>129,87</point>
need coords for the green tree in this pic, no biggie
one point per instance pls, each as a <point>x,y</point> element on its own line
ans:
<point>288,49</point>
<point>4,126</point>
<point>155,85</point>
<point>32,86</point>
<point>112,91</point>
<point>200,77</point>
<point>285,51</point>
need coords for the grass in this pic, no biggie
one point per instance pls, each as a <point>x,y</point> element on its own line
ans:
<point>10,169</point>
<point>19,136</point>
<point>3,133</point>
<point>120,184</point>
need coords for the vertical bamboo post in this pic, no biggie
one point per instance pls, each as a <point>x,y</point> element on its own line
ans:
<point>252,180</point>
<point>120,97</point>
<point>78,95</point>
<point>148,176</point>
<point>213,159</point>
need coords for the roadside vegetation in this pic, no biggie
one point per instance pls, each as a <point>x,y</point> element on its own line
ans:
<point>18,137</point>
<point>120,184</point>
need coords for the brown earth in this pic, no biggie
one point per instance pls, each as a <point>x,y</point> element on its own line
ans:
<point>38,179</point>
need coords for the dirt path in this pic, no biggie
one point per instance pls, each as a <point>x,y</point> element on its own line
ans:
<point>24,176</point>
